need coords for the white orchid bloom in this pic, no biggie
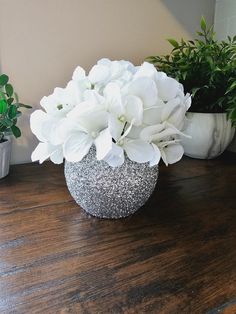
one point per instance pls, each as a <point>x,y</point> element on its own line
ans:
<point>122,109</point>
<point>46,150</point>
<point>146,70</point>
<point>80,79</point>
<point>166,137</point>
<point>172,111</point>
<point>106,71</point>
<point>171,152</point>
<point>48,128</point>
<point>144,88</point>
<point>87,119</point>
<point>167,86</point>
<point>50,131</point>
<point>62,100</point>
<point>137,150</point>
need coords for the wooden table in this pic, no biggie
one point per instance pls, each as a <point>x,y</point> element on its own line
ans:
<point>176,255</point>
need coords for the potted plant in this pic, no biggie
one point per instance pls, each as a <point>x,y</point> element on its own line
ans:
<point>9,114</point>
<point>112,126</point>
<point>207,69</point>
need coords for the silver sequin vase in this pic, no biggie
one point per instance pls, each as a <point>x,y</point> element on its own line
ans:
<point>107,192</point>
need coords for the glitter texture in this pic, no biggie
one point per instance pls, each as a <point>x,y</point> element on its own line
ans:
<point>107,192</point>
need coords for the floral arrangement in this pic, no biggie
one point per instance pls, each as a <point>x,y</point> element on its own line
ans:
<point>121,109</point>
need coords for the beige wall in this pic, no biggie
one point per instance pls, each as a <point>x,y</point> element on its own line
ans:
<point>224,25</point>
<point>225,18</point>
<point>42,41</point>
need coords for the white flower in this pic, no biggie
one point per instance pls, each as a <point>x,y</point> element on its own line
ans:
<point>106,71</point>
<point>45,127</point>
<point>146,70</point>
<point>63,99</point>
<point>166,137</point>
<point>46,150</point>
<point>167,87</point>
<point>87,120</point>
<point>137,150</point>
<point>123,110</point>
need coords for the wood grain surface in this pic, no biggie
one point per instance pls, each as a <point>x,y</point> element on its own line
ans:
<point>176,255</point>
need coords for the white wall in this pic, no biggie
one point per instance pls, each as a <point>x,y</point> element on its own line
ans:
<point>42,41</point>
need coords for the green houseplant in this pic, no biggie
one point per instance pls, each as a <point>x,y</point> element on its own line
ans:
<point>10,111</point>
<point>207,69</point>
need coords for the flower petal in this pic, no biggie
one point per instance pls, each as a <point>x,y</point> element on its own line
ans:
<point>144,88</point>
<point>146,70</point>
<point>37,118</point>
<point>112,94</point>
<point>115,126</point>
<point>115,158</point>
<point>135,132</point>
<point>167,88</point>
<point>99,74</point>
<point>49,103</point>
<point>174,112</point>
<point>78,74</point>
<point>156,156</point>
<point>153,115</point>
<point>134,109</point>
<point>103,144</point>
<point>138,150</point>
<point>172,153</point>
<point>57,156</point>
<point>149,132</point>
<point>42,152</point>
<point>77,146</point>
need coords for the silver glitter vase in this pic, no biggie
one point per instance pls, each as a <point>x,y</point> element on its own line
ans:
<point>107,192</point>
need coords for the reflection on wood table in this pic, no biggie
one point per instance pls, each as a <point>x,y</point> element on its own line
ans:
<point>176,255</point>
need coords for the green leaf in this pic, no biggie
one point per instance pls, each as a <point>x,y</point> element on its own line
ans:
<point>173,42</point>
<point>12,111</point>
<point>195,90</point>
<point>9,90</point>
<point>3,79</point>
<point>203,23</point>
<point>10,101</point>
<point>23,106</point>
<point>16,131</point>
<point>2,95</point>
<point>231,87</point>
<point>7,122</point>
<point>3,106</point>
<point>199,33</point>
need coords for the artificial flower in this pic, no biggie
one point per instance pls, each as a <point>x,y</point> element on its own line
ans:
<point>124,111</point>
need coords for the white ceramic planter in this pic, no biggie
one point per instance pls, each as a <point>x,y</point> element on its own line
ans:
<point>5,155</point>
<point>232,146</point>
<point>210,134</point>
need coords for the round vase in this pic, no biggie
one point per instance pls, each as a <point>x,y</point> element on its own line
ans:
<point>210,134</point>
<point>5,156</point>
<point>107,192</point>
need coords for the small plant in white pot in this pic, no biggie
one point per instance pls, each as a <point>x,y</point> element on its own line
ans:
<point>112,126</point>
<point>9,114</point>
<point>207,69</point>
